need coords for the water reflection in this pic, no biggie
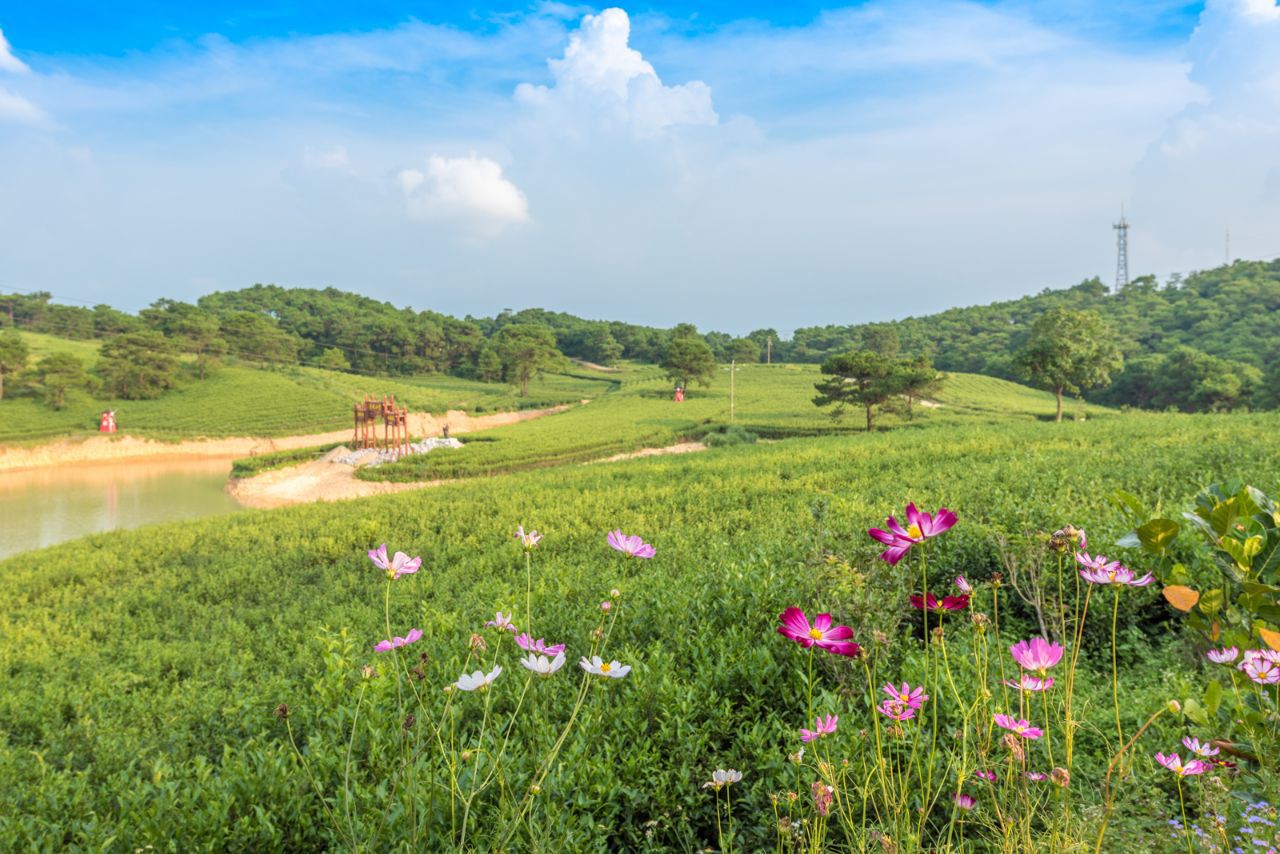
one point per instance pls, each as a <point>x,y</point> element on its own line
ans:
<point>40,507</point>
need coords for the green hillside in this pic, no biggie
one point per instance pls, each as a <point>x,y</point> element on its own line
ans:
<point>1229,313</point>
<point>140,669</point>
<point>238,400</point>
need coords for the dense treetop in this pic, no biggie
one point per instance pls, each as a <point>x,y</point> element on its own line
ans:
<point>1208,341</point>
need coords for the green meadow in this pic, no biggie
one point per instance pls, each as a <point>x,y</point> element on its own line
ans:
<point>140,670</point>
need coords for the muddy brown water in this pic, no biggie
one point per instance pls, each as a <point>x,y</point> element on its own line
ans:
<point>44,506</point>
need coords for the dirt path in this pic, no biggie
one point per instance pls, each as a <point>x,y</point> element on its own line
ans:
<point>98,448</point>
<point>682,448</point>
<point>325,480</point>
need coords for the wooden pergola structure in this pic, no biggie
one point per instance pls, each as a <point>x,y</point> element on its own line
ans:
<point>395,424</point>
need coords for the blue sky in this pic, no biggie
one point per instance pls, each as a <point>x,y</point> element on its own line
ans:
<point>735,165</point>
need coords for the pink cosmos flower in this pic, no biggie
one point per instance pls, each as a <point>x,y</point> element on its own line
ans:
<point>1019,726</point>
<point>1199,748</point>
<point>1255,654</point>
<point>896,710</point>
<point>529,540</point>
<point>964,585</point>
<point>1174,763</point>
<point>1036,655</point>
<point>920,527</point>
<point>989,776</point>
<point>1027,682</point>
<point>947,603</point>
<point>1100,570</point>
<point>906,695</point>
<point>539,646</point>
<point>629,546</point>
<point>1261,669</point>
<point>396,642</point>
<point>965,802</point>
<point>502,622</point>
<point>795,625</point>
<point>397,566</point>
<point>821,727</point>
<point>1036,776</point>
<point>1226,655</point>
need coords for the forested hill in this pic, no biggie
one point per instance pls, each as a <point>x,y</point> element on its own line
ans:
<point>1208,328</point>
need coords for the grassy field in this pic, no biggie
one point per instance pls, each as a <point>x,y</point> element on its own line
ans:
<point>244,401</point>
<point>140,669</point>
<point>769,401</point>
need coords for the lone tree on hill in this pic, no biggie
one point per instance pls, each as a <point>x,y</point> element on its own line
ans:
<point>526,351</point>
<point>688,358</point>
<point>862,378</point>
<point>13,356</point>
<point>919,378</point>
<point>58,373</point>
<point>138,365</point>
<point>1069,351</point>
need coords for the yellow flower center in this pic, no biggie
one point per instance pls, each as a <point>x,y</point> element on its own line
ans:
<point>1111,575</point>
<point>906,698</point>
<point>914,532</point>
<point>604,668</point>
<point>815,634</point>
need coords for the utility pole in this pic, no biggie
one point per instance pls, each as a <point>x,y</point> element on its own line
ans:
<point>768,350</point>
<point>1122,251</point>
<point>733,369</point>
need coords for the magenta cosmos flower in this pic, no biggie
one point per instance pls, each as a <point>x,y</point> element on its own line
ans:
<point>539,646</point>
<point>964,585</point>
<point>833,639</point>
<point>989,776</point>
<point>905,694</point>
<point>1036,655</point>
<point>936,605</point>
<point>396,642</point>
<point>629,546</point>
<point>1226,655</point>
<point>821,726</point>
<point>1100,570</point>
<point>965,802</point>
<point>397,566</point>
<point>920,527</point>
<point>1036,776</point>
<point>1174,763</point>
<point>1019,726</point>
<point>896,710</point>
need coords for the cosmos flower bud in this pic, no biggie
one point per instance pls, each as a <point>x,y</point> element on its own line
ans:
<point>1175,707</point>
<point>606,606</point>
<point>615,593</point>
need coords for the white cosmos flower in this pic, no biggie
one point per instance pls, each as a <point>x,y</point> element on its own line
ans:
<point>722,777</point>
<point>612,669</point>
<point>478,680</point>
<point>542,665</point>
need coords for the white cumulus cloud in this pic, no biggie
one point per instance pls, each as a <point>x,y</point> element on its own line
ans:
<point>469,193</point>
<point>1223,151</point>
<point>15,108</point>
<point>602,78</point>
<point>9,62</point>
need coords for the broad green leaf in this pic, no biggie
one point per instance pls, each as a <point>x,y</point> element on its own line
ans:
<point>1157,535</point>
<point>1211,601</point>
<point>1213,696</point>
<point>1194,711</point>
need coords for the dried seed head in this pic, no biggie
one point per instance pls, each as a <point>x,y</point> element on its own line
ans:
<point>880,637</point>
<point>408,722</point>
<point>368,672</point>
<point>980,619</point>
<point>535,789</point>
<point>597,633</point>
<point>1014,743</point>
<point>282,711</point>
<point>1060,776</point>
<point>477,643</point>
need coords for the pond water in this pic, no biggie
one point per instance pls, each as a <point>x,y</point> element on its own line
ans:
<point>40,507</point>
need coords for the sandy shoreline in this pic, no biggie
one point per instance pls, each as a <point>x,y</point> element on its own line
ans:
<point>99,448</point>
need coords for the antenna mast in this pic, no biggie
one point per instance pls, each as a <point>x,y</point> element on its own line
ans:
<point>1122,251</point>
